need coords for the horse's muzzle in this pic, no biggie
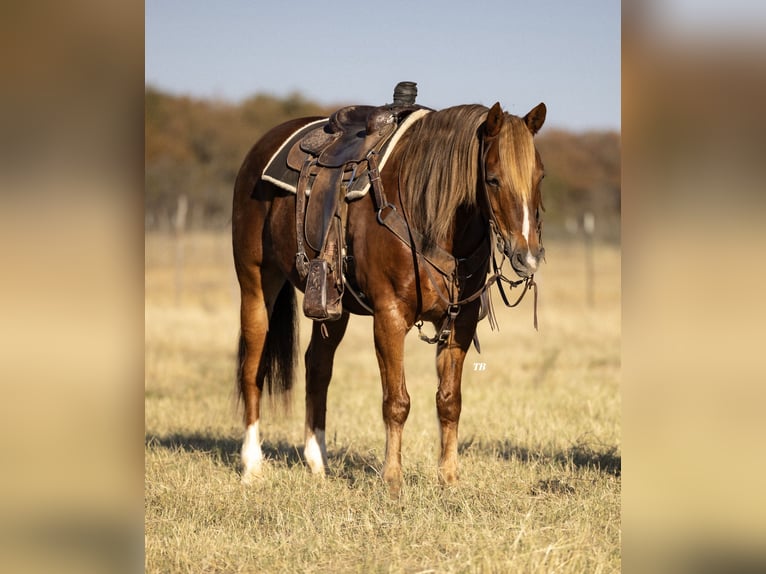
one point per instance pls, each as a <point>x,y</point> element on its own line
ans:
<point>524,260</point>
<point>525,263</point>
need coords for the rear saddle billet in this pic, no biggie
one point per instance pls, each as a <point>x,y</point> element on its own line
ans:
<point>330,158</point>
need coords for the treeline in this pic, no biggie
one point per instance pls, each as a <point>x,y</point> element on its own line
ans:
<point>194,147</point>
<point>582,175</point>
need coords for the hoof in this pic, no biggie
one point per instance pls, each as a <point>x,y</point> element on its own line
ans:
<point>394,490</point>
<point>251,476</point>
<point>448,478</point>
<point>319,472</point>
<point>394,483</point>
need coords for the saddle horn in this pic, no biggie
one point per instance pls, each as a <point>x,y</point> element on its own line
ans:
<point>405,93</point>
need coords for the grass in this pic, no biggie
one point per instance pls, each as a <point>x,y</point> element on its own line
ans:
<point>540,447</point>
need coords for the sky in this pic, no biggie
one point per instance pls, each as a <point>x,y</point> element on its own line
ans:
<point>565,53</point>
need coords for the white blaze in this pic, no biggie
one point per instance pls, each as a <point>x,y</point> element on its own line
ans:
<point>525,227</point>
<point>525,224</point>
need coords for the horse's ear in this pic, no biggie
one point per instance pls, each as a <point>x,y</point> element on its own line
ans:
<point>495,119</point>
<point>536,118</point>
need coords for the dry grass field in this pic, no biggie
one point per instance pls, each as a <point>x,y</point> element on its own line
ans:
<point>540,449</point>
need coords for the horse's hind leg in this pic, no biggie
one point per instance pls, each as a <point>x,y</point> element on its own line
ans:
<point>319,361</point>
<point>265,297</point>
<point>254,324</point>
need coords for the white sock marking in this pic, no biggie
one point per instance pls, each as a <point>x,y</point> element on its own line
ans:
<point>315,450</point>
<point>252,456</point>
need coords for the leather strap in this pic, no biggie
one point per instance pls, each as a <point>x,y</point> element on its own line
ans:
<point>301,189</point>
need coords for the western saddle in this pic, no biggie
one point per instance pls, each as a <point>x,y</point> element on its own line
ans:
<point>331,159</point>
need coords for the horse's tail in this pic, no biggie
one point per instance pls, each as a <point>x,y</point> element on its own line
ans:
<point>276,370</point>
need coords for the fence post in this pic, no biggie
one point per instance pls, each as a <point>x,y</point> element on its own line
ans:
<point>589,226</point>
<point>179,226</point>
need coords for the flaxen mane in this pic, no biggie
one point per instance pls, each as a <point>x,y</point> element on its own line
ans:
<point>442,167</point>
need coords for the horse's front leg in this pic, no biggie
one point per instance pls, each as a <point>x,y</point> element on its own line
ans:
<point>390,329</point>
<point>450,356</point>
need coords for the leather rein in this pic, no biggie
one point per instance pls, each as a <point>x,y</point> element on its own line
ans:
<point>454,270</point>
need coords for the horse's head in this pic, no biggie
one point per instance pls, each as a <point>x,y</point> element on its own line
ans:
<point>512,172</point>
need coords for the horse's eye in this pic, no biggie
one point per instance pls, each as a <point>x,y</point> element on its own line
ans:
<point>493,181</point>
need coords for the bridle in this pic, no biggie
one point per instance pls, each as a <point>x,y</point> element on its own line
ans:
<point>502,244</point>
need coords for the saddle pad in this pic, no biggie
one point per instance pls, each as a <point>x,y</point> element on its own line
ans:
<point>278,172</point>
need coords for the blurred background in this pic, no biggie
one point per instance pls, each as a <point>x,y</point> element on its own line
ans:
<point>693,85</point>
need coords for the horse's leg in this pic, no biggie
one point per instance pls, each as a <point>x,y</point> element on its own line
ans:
<point>449,366</point>
<point>390,327</point>
<point>319,361</point>
<point>254,325</point>
<point>259,296</point>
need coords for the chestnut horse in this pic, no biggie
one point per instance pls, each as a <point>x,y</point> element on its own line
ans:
<point>466,181</point>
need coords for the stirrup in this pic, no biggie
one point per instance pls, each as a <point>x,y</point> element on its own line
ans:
<point>319,283</point>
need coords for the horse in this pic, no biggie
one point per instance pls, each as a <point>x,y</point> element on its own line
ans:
<point>463,182</point>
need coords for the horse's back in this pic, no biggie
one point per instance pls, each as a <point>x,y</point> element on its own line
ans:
<point>254,199</point>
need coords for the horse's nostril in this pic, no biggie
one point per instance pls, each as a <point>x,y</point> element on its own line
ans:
<point>524,263</point>
<point>518,262</point>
